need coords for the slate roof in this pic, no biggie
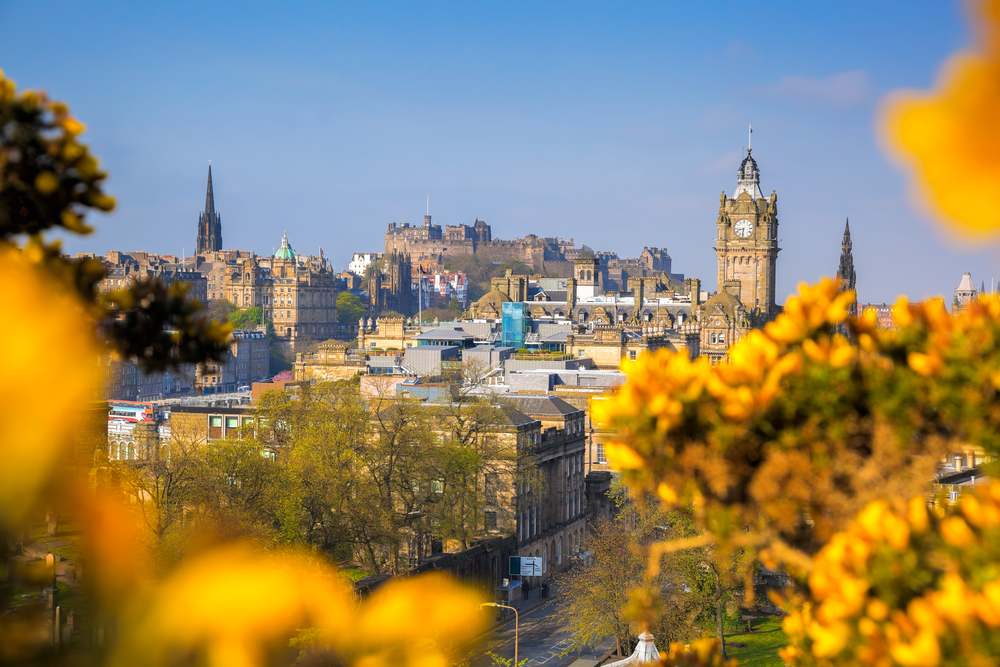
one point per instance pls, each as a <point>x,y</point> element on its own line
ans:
<point>445,334</point>
<point>543,405</point>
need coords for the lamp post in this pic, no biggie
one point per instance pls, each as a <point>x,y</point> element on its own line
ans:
<point>503,606</point>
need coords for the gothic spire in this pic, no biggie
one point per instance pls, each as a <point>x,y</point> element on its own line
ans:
<point>209,194</point>
<point>845,272</point>
<point>209,222</point>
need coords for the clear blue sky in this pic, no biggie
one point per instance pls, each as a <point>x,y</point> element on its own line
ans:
<point>617,124</point>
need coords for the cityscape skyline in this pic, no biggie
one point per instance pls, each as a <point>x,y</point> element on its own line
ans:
<point>579,124</point>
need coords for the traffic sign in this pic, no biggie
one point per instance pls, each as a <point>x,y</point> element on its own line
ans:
<point>526,566</point>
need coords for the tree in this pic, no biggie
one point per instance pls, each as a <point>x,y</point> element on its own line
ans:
<point>220,309</point>
<point>598,596</point>
<point>159,489</point>
<point>248,318</point>
<point>349,308</point>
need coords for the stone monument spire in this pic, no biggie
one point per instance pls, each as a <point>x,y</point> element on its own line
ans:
<point>209,222</point>
<point>845,273</point>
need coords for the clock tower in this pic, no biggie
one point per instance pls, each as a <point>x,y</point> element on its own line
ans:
<point>747,243</point>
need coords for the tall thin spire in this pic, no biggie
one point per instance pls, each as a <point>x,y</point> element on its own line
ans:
<point>209,194</point>
<point>209,221</point>
<point>845,272</point>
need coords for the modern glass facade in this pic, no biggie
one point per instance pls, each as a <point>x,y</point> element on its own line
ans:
<point>515,324</point>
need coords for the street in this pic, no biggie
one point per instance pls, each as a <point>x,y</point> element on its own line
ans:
<point>542,639</point>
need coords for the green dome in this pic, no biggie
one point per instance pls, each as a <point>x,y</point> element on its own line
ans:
<point>285,251</point>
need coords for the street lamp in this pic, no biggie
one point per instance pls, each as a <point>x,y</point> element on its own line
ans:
<point>503,606</point>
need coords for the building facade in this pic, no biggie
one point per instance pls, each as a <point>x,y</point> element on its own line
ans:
<point>747,243</point>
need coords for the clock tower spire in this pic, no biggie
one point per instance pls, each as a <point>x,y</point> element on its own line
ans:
<point>747,242</point>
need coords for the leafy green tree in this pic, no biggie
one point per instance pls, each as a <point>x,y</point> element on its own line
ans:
<point>247,319</point>
<point>349,308</point>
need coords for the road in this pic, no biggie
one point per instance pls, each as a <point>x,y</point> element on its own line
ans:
<point>542,640</point>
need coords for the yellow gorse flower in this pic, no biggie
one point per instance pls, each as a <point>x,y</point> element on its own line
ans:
<point>946,618</point>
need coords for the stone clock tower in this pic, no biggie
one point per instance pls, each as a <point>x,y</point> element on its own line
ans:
<point>747,243</point>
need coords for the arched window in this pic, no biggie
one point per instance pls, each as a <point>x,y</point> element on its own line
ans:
<point>715,338</point>
<point>722,338</point>
<point>583,274</point>
<point>590,275</point>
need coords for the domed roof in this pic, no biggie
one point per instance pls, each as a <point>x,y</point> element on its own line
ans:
<point>493,298</point>
<point>285,251</point>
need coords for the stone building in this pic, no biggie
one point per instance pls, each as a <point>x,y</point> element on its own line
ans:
<point>429,242</point>
<point>124,269</point>
<point>747,243</point>
<point>390,285</point>
<point>964,293</point>
<point>297,293</point>
<point>123,381</point>
<point>550,514</point>
<point>247,361</point>
<point>746,250</point>
<point>303,297</point>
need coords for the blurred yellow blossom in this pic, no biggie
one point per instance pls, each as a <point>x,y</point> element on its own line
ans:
<point>950,137</point>
<point>48,363</point>
<point>872,603</point>
<point>234,606</point>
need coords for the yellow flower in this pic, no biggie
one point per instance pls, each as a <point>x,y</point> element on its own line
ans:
<point>924,651</point>
<point>925,364</point>
<point>916,514</point>
<point>956,532</point>
<point>666,493</point>
<point>622,456</point>
<point>978,513</point>
<point>954,600</point>
<point>987,605</point>
<point>897,531</point>
<point>50,363</point>
<point>46,182</point>
<point>871,520</point>
<point>877,610</point>
<point>828,640</point>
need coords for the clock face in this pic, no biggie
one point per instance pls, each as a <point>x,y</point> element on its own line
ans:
<point>743,228</point>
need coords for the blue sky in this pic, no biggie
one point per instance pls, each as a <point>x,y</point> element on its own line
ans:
<point>616,124</point>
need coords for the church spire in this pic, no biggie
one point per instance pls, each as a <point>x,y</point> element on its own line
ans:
<point>209,222</point>
<point>209,194</point>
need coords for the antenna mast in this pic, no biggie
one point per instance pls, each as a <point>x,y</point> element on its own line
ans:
<point>749,136</point>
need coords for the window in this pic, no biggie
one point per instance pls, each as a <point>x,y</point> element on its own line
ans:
<point>722,338</point>
<point>214,427</point>
<point>631,355</point>
<point>232,422</point>
<point>437,486</point>
<point>490,487</point>
<point>490,520</point>
<point>581,353</point>
<point>601,457</point>
<point>715,338</point>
